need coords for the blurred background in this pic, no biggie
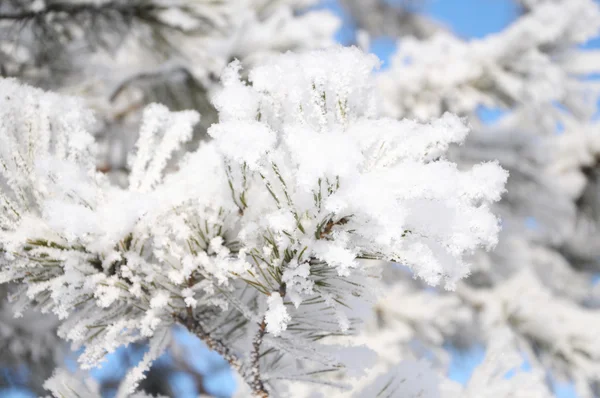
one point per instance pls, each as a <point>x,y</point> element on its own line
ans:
<point>525,73</point>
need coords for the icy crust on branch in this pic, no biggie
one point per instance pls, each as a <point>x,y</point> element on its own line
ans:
<point>535,61</point>
<point>269,221</point>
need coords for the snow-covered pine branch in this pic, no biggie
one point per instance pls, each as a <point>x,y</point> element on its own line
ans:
<point>407,379</point>
<point>393,19</point>
<point>121,55</point>
<point>533,63</point>
<point>535,72</point>
<point>254,241</point>
<point>41,36</point>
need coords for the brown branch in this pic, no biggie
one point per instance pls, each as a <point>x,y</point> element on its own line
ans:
<point>257,384</point>
<point>212,343</point>
<point>329,226</point>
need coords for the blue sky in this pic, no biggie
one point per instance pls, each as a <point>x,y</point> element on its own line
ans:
<point>473,18</point>
<point>467,18</point>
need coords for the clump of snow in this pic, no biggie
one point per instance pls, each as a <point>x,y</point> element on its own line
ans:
<point>276,316</point>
